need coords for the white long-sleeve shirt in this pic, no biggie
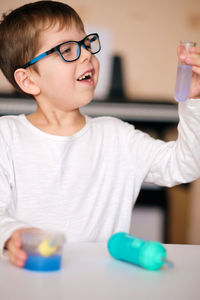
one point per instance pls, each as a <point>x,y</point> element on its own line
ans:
<point>86,184</point>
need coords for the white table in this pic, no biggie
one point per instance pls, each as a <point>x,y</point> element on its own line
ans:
<point>90,273</point>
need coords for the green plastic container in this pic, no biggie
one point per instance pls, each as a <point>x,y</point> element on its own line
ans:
<point>147,254</point>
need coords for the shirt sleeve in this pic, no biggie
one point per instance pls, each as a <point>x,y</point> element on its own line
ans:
<point>175,162</point>
<point>8,224</point>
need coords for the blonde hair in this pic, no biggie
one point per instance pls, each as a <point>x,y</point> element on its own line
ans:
<point>20,30</point>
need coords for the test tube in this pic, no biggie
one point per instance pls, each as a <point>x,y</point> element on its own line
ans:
<point>184,74</point>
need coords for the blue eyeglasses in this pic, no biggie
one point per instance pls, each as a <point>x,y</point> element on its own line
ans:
<point>71,51</point>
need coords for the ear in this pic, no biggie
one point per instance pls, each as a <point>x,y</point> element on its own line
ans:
<point>25,81</point>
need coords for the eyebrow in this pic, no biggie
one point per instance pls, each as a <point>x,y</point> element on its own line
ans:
<point>60,42</point>
<point>71,40</point>
<point>51,47</point>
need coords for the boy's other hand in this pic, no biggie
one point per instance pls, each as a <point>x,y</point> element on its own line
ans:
<point>16,255</point>
<point>193,59</point>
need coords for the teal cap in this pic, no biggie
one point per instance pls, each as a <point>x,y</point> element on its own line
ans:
<point>152,255</point>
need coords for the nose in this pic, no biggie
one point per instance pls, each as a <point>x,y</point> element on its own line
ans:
<point>85,54</point>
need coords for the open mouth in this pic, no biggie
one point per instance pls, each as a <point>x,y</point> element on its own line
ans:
<point>87,77</point>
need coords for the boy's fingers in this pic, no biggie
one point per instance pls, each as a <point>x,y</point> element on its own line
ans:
<point>17,241</point>
<point>194,50</point>
<point>15,260</point>
<point>193,56</point>
<point>13,242</point>
<point>20,263</point>
<point>17,257</point>
<point>180,49</point>
<point>196,70</point>
<point>17,252</point>
<point>193,60</point>
<point>12,258</point>
<point>16,237</point>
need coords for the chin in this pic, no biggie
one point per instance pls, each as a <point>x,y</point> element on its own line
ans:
<point>87,99</point>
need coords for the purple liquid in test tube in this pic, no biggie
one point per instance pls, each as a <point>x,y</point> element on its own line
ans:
<point>183,75</point>
<point>183,79</point>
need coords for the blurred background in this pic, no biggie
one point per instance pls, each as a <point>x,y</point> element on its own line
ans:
<point>145,33</point>
<point>138,70</point>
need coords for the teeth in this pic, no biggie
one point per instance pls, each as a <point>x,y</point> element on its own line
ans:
<point>86,76</point>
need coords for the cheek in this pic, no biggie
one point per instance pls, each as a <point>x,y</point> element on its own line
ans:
<point>95,63</point>
<point>59,76</point>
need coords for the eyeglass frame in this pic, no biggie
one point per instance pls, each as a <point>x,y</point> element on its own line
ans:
<point>57,49</point>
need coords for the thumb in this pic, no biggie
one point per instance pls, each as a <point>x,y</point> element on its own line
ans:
<point>17,237</point>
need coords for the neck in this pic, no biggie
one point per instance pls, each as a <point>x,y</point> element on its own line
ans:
<point>57,122</point>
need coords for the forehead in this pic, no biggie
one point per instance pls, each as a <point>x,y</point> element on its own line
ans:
<point>57,34</point>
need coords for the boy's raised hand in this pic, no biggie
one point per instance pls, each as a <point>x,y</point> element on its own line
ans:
<point>193,59</point>
<point>16,255</point>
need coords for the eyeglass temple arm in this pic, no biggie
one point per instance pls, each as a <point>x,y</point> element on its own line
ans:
<point>34,60</point>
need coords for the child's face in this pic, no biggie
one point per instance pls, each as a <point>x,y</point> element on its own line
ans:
<point>58,80</point>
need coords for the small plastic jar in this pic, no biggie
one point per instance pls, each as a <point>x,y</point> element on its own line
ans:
<point>44,250</point>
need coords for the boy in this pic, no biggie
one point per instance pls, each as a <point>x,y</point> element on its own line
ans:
<point>60,169</point>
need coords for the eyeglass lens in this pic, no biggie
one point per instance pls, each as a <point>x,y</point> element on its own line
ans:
<point>71,50</point>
